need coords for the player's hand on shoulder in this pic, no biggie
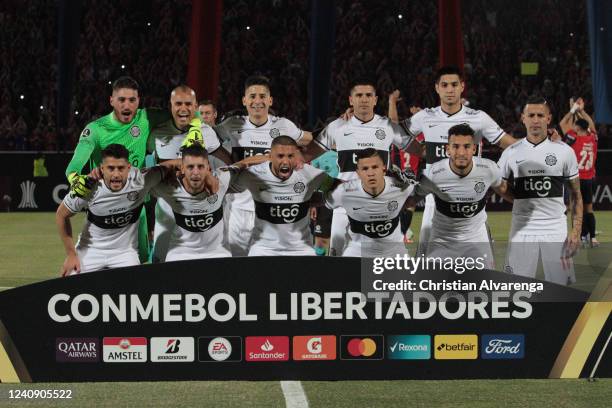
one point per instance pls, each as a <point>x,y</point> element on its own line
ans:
<point>80,185</point>
<point>348,114</point>
<point>194,134</point>
<point>405,177</point>
<point>211,184</point>
<point>554,136</point>
<point>71,266</point>
<point>95,174</point>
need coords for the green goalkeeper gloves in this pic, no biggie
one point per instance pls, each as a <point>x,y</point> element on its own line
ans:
<point>80,185</point>
<point>194,134</point>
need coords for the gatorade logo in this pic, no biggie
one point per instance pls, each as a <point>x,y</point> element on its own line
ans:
<point>314,348</point>
<point>366,347</point>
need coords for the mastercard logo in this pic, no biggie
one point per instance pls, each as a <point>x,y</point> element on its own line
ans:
<point>361,347</point>
<point>368,347</point>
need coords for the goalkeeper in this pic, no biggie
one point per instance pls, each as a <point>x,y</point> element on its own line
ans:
<point>126,125</point>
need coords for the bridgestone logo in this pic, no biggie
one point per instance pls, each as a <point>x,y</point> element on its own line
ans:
<point>172,357</point>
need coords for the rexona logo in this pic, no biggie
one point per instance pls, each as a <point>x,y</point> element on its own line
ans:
<point>172,349</point>
<point>267,348</point>
<point>502,346</point>
<point>409,347</point>
<point>124,349</point>
<point>219,349</point>
<point>456,347</point>
<point>362,347</point>
<point>314,348</point>
<point>77,350</point>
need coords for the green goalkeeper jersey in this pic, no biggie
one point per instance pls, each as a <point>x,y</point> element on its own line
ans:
<point>108,130</point>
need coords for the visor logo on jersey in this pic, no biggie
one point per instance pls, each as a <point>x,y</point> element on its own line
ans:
<point>132,196</point>
<point>299,187</point>
<point>540,187</point>
<point>380,134</point>
<point>274,132</point>
<point>380,230</point>
<point>551,159</point>
<point>135,131</point>
<point>392,206</point>
<point>479,187</point>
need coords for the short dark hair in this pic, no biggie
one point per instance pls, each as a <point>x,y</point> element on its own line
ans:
<point>362,81</point>
<point>367,153</point>
<point>582,124</point>
<point>125,82</point>
<point>283,140</point>
<point>208,102</point>
<point>536,100</point>
<point>116,150</point>
<point>448,70</point>
<point>257,80</point>
<point>195,150</point>
<point>462,129</point>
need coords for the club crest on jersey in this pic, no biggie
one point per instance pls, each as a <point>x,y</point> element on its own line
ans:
<point>299,187</point>
<point>132,196</point>
<point>135,131</point>
<point>212,199</point>
<point>86,132</point>
<point>551,159</point>
<point>274,132</point>
<point>479,187</point>
<point>392,206</point>
<point>380,134</point>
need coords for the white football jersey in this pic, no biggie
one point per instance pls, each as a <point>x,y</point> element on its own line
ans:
<point>536,174</point>
<point>434,123</point>
<point>372,220</point>
<point>249,140</point>
<point>281,206</point>
<point>352,136</point>
<point>199,218</point>
<point>460,200</point>
<point>112,217</point>
<point>168,140</point>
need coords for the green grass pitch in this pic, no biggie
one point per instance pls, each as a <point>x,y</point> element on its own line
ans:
<point>30,251</point>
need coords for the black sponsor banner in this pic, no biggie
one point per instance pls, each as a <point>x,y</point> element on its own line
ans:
<point>199,222</point>
<point>538,186</point>
<point>437,151</point>
<point>244,319</point>
<point>347,159</point>
<point>459,209</point>
<point>114,221</point>
<point>281,213</point>
<point>242,152</point>
<point>374,229</point>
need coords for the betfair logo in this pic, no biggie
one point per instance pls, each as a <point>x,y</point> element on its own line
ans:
<point>456,347</point>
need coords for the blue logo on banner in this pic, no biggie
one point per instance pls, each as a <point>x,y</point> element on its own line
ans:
<point>409,347</point>
<point>502,346</point>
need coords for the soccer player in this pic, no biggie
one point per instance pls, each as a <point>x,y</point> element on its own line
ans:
<point>579,131</point>
<point>167,139</point>
<point>110,235</point>
<point>434,123</point>
<point>198,228</point>
<point>127,125</point>
<point>459,184</point>
<point>365,129</point>
<point>252,135</point>
<point>208,112</point>
<point>281,193</point>
<point>538,168</point>
<point>373,203</point>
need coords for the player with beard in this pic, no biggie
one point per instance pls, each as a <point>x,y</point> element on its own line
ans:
<point>536,169</point>
<point>281,193</point>
<point>373,203</point>
<point>434,123</point>
<point>252,135</point>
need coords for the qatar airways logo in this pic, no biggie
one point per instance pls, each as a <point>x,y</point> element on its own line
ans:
<point>202,223</point>
<point>287,214</point>
<point>540,187</point>
<point>381,230</point>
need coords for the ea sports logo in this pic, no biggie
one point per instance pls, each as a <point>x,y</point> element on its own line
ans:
<point>361,347</point>
<point>219,349</point>
<point>314,345</point>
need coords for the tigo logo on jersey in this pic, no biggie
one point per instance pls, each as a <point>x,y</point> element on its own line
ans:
<point>124,349</point>
<point>314,348</point>
<point>79,350</point>
<point>365,347</point>
<point>503,346</point>
<point>220,349</point>
<point>267,348</point>
<point>456,347</point>
<point>172,349</point>
<point>409,347</point>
